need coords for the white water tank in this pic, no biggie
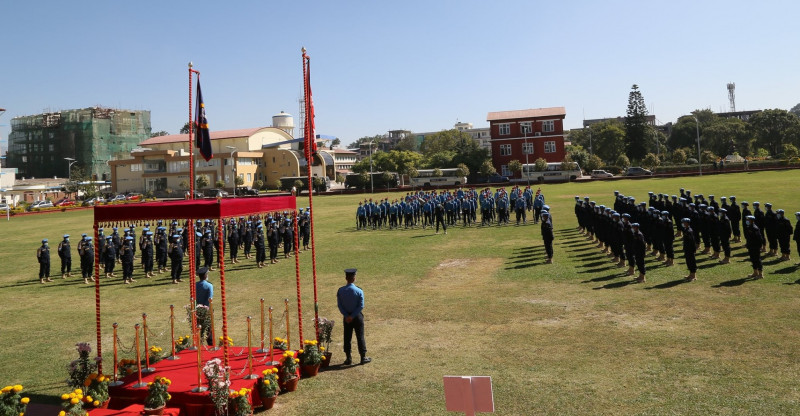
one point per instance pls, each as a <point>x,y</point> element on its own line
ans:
<point>284,121</point>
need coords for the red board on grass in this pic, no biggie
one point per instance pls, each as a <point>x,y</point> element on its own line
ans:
<point>468,394</point>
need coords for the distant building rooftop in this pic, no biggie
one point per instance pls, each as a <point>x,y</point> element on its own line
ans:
<point>530,113</point>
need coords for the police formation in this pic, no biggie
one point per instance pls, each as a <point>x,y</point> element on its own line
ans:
<point>628,231</point>
<point>164,248</point>
<point>447,208</point>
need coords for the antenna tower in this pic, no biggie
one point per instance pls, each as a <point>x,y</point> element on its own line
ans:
<point>732,96</point>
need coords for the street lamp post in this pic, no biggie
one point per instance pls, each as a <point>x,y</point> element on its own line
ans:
<point>371,180</point>
<point>527,174</point>
<point>233,168</point>
<point>69,167</point>
<point>699,161</point>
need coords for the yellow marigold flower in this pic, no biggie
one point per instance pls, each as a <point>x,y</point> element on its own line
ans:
<point>88,399</point>
<point>101,379</point>
<point>96,403</point>
<point>274,369</point>
<point>300,351</point>
<point>322,348</point>
<point>62,413</point>
<point>234,394</point>
<point>6,389</point>
<point>150,383</point>
<point>65,396</point>
<point>79,396</point>
<point>169,396</point>
<point>22,414</point>
<point>24,400</point>
<point>17,388</point>
<point>296,360</point>
<point>74,400</point>
<point>78,391</point>
<point>324,357</point>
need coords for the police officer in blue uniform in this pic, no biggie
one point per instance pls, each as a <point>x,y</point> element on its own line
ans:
<point>350,300</point>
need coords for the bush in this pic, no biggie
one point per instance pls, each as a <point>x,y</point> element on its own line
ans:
<point>650,161</point>
<point>258,184</point>
<point>623,161</point>
<point>277,184</point>
<point>679,157</point>
<point>691,161</point>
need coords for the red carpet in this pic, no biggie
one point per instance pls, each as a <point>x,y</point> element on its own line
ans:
<point>183,374</point>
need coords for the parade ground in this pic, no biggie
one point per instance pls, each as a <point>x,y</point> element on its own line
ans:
<point>571,338</point>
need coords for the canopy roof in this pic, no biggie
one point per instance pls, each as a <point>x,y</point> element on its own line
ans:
<point>194,209</point>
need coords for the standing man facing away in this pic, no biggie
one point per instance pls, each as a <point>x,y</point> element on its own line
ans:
<point>350,299</point>
<point>204,292</point>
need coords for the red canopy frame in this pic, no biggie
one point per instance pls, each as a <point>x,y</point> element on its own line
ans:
<point>191,210</point>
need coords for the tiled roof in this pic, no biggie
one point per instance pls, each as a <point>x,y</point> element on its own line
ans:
<point>530,113</point>
<point>223,134</point>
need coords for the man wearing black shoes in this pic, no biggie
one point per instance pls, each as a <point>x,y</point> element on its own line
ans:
<point>350,299</point>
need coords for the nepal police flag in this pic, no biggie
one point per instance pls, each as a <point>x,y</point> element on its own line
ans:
<point>202,137</point>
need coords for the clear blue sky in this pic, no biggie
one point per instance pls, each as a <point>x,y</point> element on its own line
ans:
<point>381,65</point>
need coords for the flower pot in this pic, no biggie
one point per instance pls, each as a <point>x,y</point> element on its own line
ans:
<point>309,370</point>
<point>104,405</point>
<point>289,385</point>
<point>327,360</point>
<point>155,412</point>
<point>267,403</point>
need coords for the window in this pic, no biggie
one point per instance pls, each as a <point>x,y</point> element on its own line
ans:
<point>249,177</point>
<point>525,127</point>
<point>505,150</point>
<point>179,166</point>
<point>505,129</point>
<point>549,147</point>
<point>504,170</point>
<point>548,126</point>
<point>136,167</point>
<point>527,148</point>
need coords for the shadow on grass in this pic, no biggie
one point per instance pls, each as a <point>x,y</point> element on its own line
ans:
<point>668,285</point>
<point>734,282</point>
<point>423,235</point>
<point>595,263</point>
<point>786,270</point>
<point>604,278</point>
<point>610,266</point>
<point>523,266</point>
<point>615,285</point>
<point>579,250</point>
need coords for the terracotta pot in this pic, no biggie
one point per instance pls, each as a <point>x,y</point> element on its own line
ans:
<point>154,412</point>
<point>309,370</point>
<point>289,385</point>
<point>268,402</point>
<point>327,361</point>
<point>103,405</point>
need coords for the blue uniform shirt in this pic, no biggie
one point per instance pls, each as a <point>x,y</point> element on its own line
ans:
<point>350,299</point>
<point>205,291</point>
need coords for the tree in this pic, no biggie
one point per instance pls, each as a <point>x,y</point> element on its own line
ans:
<point>238,180</point>
<point>442,159</point>
<point>408,142</point>
<point>185,128</point>
<point>708,156</point>
<point>159,133</point>
<point>515,166</point>
<point>336,142</point>
<point>277,184</point>
<point>487,168</point>
<point>684,131</point>
<point>437,173</point>
<point>202,181</point>
<point>789,151</point>
<point>442,141</point>
<point>796,110</point>
<point>340,178</point>
<point>635,125</point>
<point>184,184</point>
<point>608,140</point>
<point>258,184</point>
<point>650,161</point>
<point>540,165</point>
<point>219,184</point>
<point>577,154</point>
<point>366,139</point>
<point>773,128</point>
<point>623,161</point>
<point>725,136</point>
<point>387,179</point>
<point>678,157</point>
<point>462,170</point>
<point>592,163</point>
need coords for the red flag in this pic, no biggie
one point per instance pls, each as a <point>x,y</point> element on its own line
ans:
<point>310,139</point>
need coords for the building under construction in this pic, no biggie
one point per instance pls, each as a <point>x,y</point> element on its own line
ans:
<point>38,144</point>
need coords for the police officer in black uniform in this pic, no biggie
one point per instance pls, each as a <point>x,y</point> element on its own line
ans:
<point>65,254</point>
<point>126,256</point>
<point>689,248</point>
<point>547,236</point>
<point>86,252</point>
<point>147,253</point>
<point>754,242</point>
<point>109,257</point>
<point>784,230</point>
<point>175,252</point>
<point>43,257</point>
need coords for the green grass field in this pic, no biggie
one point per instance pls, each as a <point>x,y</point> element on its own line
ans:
<point>572,338</point>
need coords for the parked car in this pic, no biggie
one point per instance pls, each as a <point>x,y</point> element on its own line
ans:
<point>65,203</point>
<point>93,201</point>
<point>246,190</point>
<point>4,206</point>
<point>134,197</point>
<point>496,179</point>
<point>637,171</point>
<point>40,204</point>
<point>216,193</point>
<point>599,173</point>
<point>117,198</point>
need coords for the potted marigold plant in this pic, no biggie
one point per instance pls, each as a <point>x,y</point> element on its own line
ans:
<point>96,391</point>
<point>288,373</point>
<point>280,344</point>
<point>324,332</point>
<point>11,402</point>
<point>183,343</point>
<point>157,396</point>
<point>156,354</point>
<point>267,386</point>
<point>71,403</point>
<point>126,367</point>
<point>238,403</point>
<point>310,358</point>
<point>221,341</point>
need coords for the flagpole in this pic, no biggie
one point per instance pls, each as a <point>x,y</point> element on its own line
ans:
<point>190,225</point>
<point>309,132</point>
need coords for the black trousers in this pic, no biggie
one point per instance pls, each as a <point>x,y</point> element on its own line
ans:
<point>356,324</point>
<point>44,269</point>
<point>691,262</point>
<point>66,264</point>
<point>755,258</point>
<point>548,247</point>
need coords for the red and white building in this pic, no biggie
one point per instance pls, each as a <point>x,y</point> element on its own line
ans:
<point>526,135</point>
